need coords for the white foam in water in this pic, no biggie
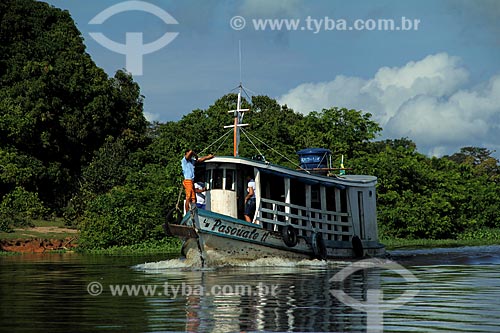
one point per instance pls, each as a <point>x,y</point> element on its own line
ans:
<point>281,262</point>
<point>161,265</point>
<point>218,260</point>
<point>192,260</point>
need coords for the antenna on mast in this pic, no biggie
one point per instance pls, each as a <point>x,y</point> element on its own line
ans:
<point>239,50</point>
<point>238,113</point>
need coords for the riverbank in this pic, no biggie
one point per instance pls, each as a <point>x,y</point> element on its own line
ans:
<point>44,245</point>
<point>50,236</point>
<point>169,245</point>
<point>43,236</point>
<point>410,244</point>
<point>37,245</point>
<point>472,237</point>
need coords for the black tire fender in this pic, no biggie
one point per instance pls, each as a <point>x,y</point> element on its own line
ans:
<point>357,247</point>
<point>318,246</point>
<point>290,236</point>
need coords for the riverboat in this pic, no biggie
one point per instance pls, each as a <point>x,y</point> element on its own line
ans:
<point>307,212</point>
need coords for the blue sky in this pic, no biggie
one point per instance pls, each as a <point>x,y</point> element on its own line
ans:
<point>439,85</point>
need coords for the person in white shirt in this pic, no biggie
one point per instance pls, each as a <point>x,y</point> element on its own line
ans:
<point>199,188</point>
<point>250,200</point>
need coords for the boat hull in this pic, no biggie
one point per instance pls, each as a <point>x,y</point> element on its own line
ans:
<point>213,233</point>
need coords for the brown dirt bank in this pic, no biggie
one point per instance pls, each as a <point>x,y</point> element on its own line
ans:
<point>37,245</point>
<point>40,239</point>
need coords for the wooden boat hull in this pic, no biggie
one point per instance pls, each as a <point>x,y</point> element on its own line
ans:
<point>209,232</point>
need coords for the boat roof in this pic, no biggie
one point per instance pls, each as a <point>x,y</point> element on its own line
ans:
<point>302,175</point>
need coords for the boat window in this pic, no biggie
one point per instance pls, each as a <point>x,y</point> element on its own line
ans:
<point>315,197</point>
<point>273,188</point>
<point>207,179</point>
<point>297,192</point>
<point>229,179</point>
<point>343,204</point>
<point>217,178</point>
<point>330,199</point>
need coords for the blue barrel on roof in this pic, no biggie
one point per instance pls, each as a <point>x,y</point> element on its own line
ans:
<point>312,158</point>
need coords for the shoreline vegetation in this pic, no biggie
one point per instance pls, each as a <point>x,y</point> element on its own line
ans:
<point>414,244</point>
<point>172,246</point>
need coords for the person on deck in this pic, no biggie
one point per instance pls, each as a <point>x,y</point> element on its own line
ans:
<point>188,164</point>
<point>199,188</point>
<point>250,200</point>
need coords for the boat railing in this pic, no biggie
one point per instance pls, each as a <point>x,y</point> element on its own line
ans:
<point>273,215</point>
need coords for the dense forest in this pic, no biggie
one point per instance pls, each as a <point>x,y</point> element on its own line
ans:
<point>74,144</point>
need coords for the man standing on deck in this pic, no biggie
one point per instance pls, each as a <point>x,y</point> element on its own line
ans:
<point>250,200</point>
<point>199,188</point>
<point>188,163</point>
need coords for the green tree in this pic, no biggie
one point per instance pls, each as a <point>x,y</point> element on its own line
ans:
<point>342,130</point>
<point>480,160</point>
<point>418,196</point>
<point>56,106</point>
<point>19,207</point>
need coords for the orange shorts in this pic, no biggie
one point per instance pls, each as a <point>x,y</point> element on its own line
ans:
<point>189,187</point>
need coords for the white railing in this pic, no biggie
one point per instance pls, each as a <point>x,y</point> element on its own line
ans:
<point>334,225</point>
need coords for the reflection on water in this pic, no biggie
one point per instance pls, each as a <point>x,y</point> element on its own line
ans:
<point>459,290</point>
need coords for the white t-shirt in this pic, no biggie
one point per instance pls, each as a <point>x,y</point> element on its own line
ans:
<point>200,196</point>
<point>251,184</point>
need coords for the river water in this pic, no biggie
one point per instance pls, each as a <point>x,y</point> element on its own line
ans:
<point>438,290</point>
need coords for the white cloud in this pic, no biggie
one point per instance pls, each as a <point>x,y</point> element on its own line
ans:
<point>315,96</point>
<point>151,116</point>
<point>423,100</point>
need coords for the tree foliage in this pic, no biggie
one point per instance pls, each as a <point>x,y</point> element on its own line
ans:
<point>57,108</point>
<point>19,208</point>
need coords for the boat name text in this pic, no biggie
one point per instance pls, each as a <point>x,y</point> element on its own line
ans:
<point>239,232</point>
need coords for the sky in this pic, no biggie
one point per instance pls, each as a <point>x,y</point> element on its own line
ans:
<point>432,75</point>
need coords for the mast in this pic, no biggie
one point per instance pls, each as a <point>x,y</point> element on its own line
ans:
<point>238,118</point>
<point>238,113</point>
<point>236,131</point>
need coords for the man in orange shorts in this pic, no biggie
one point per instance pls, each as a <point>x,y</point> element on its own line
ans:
<point>188,162</point>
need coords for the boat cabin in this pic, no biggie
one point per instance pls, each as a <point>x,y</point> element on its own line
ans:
<point>338,207</point>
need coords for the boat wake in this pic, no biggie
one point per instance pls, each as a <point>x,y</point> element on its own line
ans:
<point>215,260</point>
